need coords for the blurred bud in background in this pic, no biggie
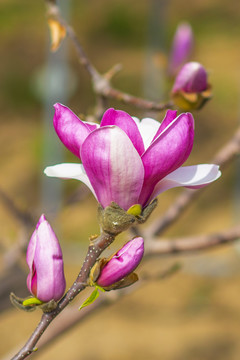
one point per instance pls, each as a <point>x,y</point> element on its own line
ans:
<point>182,48</point>
<point>191,89</point>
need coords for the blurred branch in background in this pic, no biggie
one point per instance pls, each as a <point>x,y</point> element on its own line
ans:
<point>191,244</point>
<point>101,83</point>
<point>22,216</point>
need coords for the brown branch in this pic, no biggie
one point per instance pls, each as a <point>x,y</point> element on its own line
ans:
<point>94,250</point>
<point>191,244</point>
<point>112,93</point>
<point>223,157</point>
<point>101,83</point>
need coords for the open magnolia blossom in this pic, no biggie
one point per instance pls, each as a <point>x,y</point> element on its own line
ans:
<point>129,161</point>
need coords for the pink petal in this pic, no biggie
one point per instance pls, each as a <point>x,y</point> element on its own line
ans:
<point>127,124</point>
<point>113,166</point>
<point>193,177</point>
<point>70,129</point>
<point>167,153</point>
<point>91,125</point>
<point>148,128</point>
<point>169,117</point>
<point>30,257</point>
<point>49,265</point>
<point>32,276</point>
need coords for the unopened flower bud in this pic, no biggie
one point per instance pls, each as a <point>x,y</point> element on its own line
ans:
<point>191,89</point>
<point>46,279</point>
<point>191,78</point>
<point>181,48</point>
<point>122,264</point>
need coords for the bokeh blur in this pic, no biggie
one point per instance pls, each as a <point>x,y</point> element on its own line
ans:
<point>192,315</point>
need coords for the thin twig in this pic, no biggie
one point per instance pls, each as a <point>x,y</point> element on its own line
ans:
<point>101,83</point>
<point>191,244</point>
<point>22,216</point>
<point>12,255</point>
<point>141,103</point>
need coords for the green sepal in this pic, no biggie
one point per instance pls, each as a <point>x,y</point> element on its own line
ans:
<point>113,219</point>
<point>126,281</point>
<point>94,295</point>
<point>135,210</point>
<point>191,101</point>
<point>146,212</point>
<point>18,303</point>
<point>32,301</point>
<point>100,288</point>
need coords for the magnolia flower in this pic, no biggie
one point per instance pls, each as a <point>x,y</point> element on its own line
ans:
<point>129,161</point>
<point>46,279</point>
<point>181,48</point>
<point>123,263</point>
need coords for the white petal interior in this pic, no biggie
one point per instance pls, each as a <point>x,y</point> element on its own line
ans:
<point>69,171</point>
<point>147,128</point>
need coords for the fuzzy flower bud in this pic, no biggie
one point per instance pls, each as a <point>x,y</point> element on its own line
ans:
<point>123,263</point>
<point>191,89</point>
<point>191,78</point>
<point>181,48</point>
<point>46,279</point>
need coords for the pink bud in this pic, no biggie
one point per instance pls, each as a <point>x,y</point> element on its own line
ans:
<point>181,48</point>
<point>192,78</point>
<point>122,263</point>
<point>46,279</point>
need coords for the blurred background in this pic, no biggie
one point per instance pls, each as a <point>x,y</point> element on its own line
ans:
<point>193,315</point>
